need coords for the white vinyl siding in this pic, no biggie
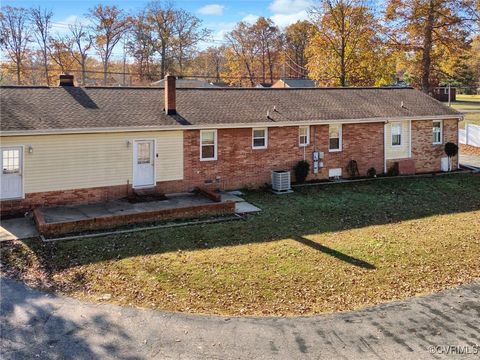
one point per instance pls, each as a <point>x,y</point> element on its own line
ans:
<point>303,135</point>
<point>65,162</point>
<point>396,138</point>
<point>397,151</point>
<point>208,145</point>
<point>259,138</point>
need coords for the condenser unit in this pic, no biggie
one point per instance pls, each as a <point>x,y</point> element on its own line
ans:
<point>281,183</point>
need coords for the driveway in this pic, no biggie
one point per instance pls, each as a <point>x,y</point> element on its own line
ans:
<point>38,325</point>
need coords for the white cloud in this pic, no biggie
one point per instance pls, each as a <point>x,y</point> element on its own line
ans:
<point>62,26</point>
<point>250,18</point>
<point>212,9</point>
<point>289,7</point>
<point>283,20</point>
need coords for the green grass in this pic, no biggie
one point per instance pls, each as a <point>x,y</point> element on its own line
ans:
<point>468,103</point>
<point>320,249</point>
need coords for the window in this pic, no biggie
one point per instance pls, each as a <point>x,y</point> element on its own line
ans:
<point>304,135</point>
<point>208,145</point>
<point>143,153</point>
<point>437,132</point>
<point>396,134</point>
<point>259,138</point>
<point>335,137</point>
<point>11,161</point>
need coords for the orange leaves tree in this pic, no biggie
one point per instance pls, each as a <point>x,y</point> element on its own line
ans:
<point>109,25</point>
<point>430,32</point>
<point>347,48</point>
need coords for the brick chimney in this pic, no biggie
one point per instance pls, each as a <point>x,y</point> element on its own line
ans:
<point>170,95</point>
<point>66,80</point>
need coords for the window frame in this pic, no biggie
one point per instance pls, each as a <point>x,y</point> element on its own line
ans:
<point>265,137</point>
<point>400,126</point>
<point>440,132</point>
<point>215,145</point>
<point>307,135</point>
<point>340,133</point>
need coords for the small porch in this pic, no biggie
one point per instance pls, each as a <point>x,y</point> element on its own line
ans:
<point>58,220</point>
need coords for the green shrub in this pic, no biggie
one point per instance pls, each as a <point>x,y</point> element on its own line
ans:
<point>301,171</point>
<point>451,149</point>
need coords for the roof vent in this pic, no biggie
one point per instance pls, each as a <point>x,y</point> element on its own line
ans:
<point>66,80</point>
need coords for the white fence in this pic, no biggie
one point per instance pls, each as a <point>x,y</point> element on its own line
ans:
<point>471,135</point>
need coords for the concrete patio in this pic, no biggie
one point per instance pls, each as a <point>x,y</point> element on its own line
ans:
<point>113,214</point>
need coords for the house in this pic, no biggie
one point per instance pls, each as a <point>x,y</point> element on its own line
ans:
<point>67,144</point>
<point>294,83</point>
<point>442,93</point>
<point>263,85</point>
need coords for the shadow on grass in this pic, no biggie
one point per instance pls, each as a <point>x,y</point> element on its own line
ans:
<point>334,253</point>
<point>309,210</point>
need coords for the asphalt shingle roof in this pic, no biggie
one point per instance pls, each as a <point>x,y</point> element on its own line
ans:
<point>43,108</point>
<point>300,83</point>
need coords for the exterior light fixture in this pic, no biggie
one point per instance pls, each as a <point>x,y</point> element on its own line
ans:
<point>30,149</point>
<point>129,143</point>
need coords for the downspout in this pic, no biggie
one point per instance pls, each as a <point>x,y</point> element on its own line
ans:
<point>385,147</point>
<point>410,139</point>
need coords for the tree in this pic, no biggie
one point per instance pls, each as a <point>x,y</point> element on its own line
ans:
<point>78,44</point>
<point>430,30</point>
<point>141,45</point>
<point>15,35</point>
<point>109,25</point>
<point>241,54</point>
<point>209,62</point>
<point>346,48</point>
<point>187,34</point>
<point>60,54</point>
<point>296,39</point>
<point>42,23</point>
<point>267,37</point>
<point>162,18</point>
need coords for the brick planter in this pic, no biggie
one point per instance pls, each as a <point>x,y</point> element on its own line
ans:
<point>112,221</point>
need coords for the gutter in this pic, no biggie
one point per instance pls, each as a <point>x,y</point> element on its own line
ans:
<point>219,126</point>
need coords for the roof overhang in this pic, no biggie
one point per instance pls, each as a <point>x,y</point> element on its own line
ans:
<point>221,126</point>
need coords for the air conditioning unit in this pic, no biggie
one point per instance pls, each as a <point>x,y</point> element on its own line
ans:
<point>281,183</point>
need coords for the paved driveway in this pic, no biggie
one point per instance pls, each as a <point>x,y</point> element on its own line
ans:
<point>37,325</point>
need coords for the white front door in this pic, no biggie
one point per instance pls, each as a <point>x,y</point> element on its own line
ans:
<point>143,163</point>
<point>11,176</point>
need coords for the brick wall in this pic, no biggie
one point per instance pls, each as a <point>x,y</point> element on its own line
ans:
<point>238,165</point>
<point>428,156</point>
<point>65,197</point>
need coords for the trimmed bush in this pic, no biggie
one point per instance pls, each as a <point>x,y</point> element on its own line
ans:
<point>301,171</point>
<point>451,149</point>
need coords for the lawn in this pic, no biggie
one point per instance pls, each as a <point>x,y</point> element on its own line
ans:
<point>320,249</point>
<point>468,103</point>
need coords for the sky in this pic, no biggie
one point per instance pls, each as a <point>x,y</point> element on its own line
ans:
<point>218,16</point>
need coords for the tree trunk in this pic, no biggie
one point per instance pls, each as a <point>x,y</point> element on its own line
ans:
<point>427,49</point>
<point>19,80</point>
<point>162,62</point>
<point>83,73</point>
<point>105,69</point>
<point>45,63</point>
